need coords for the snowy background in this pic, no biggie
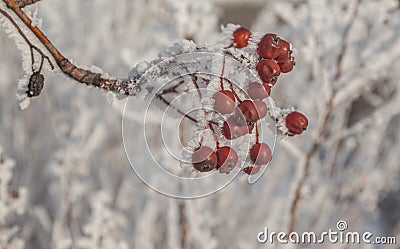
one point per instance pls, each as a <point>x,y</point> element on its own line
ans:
<point>65,181</point>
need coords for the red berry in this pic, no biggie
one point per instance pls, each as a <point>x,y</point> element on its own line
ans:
<point>296,122</point>
<point>269,46</point>
<point>267,88</point>
<point>258,91</point>
<point>251,170</point>
<point>231,130</point>
<point>227,159</point>
<point>224,102</point>
<point>268,70</point>
<point>251,111</point>
<point>287,65</point>
<point>241,37</point>
<point>204,159</point>
<point>285,51</point>
<point>260,153</point>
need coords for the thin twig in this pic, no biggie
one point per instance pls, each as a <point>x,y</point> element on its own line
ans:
<point>81,75</point>
<point>317,140</point>
<point>346,33</point>
<point>338,125</point>
<point>306,168</point>
<point>31,46</point>
<point>183,226</point>
<point>365,122</point>
<point>221,78</point>
<point>168,103</point>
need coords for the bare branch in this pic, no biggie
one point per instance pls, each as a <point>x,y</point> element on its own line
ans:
<point>24,3</point>
<point>31,46</point>
<point>339,63</point>
<point>183,225</point>
<point>338,125</point>
<point>81,75</point>
<point>328,112</point>
<point>306,167</point>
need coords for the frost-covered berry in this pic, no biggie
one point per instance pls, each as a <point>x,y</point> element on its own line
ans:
<point>241,37</point>
<point>267,87</point>
<point>251,111</point>
<point>227,159</point>
<point>260,154</point>
<point>204,159</point>
<point>256,90</point>
<point>287,65</point>
<point>285,51</point>
<point>224,102</point>
<point>251,170</point>
<point>268,70</point>
<point>296,122</point>
<point>231,130</point>
<point>269,46</point>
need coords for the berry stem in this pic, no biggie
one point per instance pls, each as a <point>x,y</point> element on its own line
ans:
<point>233,91</point>
<point>221,78</point>
<point>240,58</point>
<point>194,81</point>
<point>215,135</point>
<point>257,133</point>
<point>172,89</point>
<point>177,109</point>
<point>41,65</point>
<point>201,141</point>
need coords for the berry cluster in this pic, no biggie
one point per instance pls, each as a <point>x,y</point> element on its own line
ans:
<point>243,115</point>
<point>236,112</point>
<point>275,58</point>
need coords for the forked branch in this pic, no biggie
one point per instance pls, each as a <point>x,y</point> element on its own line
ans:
<point>79,74</point>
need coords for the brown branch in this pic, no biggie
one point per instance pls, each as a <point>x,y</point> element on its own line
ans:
<point>339,124</point>
<point>346,33</point>
<point>183,226</point>
<point>81,75</point>
<point>168,103</point>
<point>307,163</point>
<point>31,46</point>
<point>24,3</point>
<point>13,193</point>
<point>317,141</point>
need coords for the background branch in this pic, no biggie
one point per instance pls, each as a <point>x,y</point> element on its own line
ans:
<point>319,136</point>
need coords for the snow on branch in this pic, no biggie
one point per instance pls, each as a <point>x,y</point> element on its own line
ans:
<point>12,10</point>
<point>242,65</point>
